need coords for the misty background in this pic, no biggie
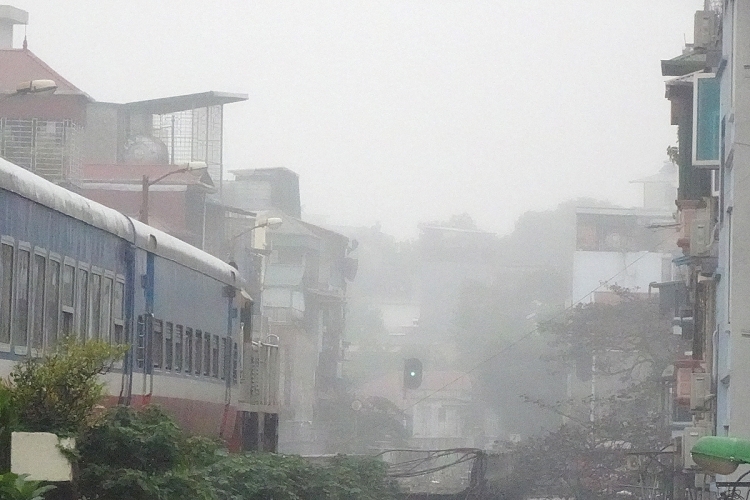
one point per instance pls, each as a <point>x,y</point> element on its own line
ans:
<point>399,112</point>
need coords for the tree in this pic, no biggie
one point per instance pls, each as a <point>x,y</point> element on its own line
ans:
<point>631,345</point>
<point>628,338</point>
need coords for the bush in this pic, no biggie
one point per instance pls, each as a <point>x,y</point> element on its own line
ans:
<point>58,392</point>
<point>142,455</point>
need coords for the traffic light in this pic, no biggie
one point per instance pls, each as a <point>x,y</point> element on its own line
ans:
<point>412,373</point>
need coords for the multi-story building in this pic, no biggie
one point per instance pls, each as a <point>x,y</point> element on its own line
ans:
<point>305,269</point>
<point>42,132</point>
<point>110,152</point>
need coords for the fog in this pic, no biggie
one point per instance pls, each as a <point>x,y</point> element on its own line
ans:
<point>400,111</point>
<point>474,263</point>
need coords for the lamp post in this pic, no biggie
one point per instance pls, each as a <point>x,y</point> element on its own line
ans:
<point>270,222</point>
<point>146,183</point>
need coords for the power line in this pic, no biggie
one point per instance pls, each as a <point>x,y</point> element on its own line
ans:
<point>531,332</point>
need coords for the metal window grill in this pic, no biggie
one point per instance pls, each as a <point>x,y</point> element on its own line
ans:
<point>46,147</point>
<point>193,135</point>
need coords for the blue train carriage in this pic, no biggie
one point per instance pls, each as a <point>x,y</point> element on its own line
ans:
<point>69,265</point>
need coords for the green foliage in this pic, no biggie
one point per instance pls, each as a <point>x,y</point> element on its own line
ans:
<point>15,487</point>
<point>261,476</point>
<point>142,455</point>
<point>8,423</point>
<point>631,344</point>
<point>59,391</point>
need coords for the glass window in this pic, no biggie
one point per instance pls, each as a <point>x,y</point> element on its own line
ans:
<point>206,354</point>
<point>198,351</point>
<point>157,344</point>
<point>188,350</point>
<point>53,303</point>
<point>68,278</point>
<point>118,313</point>
<point>68,298</point>
<point>215,358</point>
<point>96,306</point>
<point>37,328</point>
<point>21,323</point>
<point>178,348</point>
<point>168,352</point>
<point>106,309</point>
<point>7,293</point>
<point>83,302</point>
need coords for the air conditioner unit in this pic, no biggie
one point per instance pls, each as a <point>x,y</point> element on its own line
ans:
<point>700,236</point>
<point>700,388</point>
<point>689,437</point>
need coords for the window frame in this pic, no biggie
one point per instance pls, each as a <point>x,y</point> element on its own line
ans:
<point>94,333</point>
<point>67,261</point>
<point>53,257</point>
<point>82,304</point>
<point>119,280</point>
<point>38,252</point>
<point>22,247</point>
<point>10,242</point>
<point>107,275</point>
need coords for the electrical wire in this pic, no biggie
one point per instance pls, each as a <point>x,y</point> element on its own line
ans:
<point>532,331</point>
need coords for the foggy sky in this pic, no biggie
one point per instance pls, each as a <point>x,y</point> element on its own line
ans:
<point>399,111</point>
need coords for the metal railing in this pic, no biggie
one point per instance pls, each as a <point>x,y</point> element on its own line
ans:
<point>260,373</point>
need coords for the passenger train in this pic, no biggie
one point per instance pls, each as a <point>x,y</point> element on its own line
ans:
<point>69,265</point>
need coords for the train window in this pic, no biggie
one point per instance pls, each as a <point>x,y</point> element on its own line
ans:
<point>206,354</point>
<point>215,358</point>
<point>68,296</point>
<point>223,357</point>
<point>178,348</point>
<point>106,324</point>
<point>188,350</point>
<point>168,346</point>
<point>235,362</point>
<point>95,295</point>
<point>83,302</point>
<point>51,323</point>
<point>7,293</point>
<point>157,344</point>
<point>21,323</point>
<point>37,327</point>
<point>118,313</point>
<point>198,351</point>
<point>140,350</point>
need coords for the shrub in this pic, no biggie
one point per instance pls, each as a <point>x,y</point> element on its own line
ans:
<point>59,391</point>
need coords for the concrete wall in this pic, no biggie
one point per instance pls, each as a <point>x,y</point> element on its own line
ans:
<point>733,340</point>
<point>633,270</point>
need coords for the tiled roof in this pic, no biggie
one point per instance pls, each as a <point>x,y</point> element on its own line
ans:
<point>20,65</point>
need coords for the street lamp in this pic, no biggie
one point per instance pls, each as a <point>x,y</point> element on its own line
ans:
<point>191,166</point>
<point>720,455</point>
<point>36,87</point>
<point>270,222</point>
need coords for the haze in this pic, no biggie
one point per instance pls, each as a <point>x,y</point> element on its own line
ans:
<point>400,111</point>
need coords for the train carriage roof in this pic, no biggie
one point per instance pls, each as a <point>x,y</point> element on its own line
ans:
<point>32,187</point>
